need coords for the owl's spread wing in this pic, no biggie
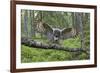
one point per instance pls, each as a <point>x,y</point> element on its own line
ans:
<point>68,33</point>
<point>48,31</point>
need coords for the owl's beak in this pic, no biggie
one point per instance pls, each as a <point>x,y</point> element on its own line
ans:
<point>55,38</point>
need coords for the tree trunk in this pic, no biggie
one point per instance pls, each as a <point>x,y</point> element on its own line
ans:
<point>33,24</point>
<point>25,23</point>
<point>79,27</point>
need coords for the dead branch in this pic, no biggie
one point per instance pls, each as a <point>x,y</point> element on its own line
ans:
<point>36,44</point>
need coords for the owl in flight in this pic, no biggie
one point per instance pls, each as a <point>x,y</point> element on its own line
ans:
<point>56,34</point>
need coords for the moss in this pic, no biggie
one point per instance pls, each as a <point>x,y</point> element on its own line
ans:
<point>30,54</point>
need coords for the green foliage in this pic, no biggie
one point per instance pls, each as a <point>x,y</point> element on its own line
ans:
<point>72,43</point>
<point>83,56</point>
<point>40,55</point>
<point>29,54</point>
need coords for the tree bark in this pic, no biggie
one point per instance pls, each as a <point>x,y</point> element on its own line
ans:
<point>36,44</point>
<point>25,23</point>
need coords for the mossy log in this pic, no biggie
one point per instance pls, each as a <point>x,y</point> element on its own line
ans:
<point>36,44</point>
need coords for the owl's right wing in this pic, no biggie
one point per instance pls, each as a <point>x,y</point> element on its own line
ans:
<point>48,31</point>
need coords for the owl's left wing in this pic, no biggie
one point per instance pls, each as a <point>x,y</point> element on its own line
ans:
<point>68,33</point>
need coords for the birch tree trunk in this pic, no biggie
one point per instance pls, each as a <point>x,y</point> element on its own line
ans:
<point>79,27</point>
<point>25,23</point>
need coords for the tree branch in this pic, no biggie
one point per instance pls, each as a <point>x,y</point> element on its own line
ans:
<point>35,44</point>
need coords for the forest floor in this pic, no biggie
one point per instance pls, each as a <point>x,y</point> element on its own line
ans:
<point>30,54</point>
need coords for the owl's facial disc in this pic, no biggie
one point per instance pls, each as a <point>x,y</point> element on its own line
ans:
<point>56,39</point>
<point>56,35</point>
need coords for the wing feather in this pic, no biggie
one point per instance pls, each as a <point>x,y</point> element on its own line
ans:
<point>68,33</point>
<point>48,31</point>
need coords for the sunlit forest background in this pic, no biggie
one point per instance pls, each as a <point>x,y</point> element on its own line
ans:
<point>56,19</point>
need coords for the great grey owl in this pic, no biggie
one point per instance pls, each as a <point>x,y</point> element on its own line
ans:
<point>56,34</point>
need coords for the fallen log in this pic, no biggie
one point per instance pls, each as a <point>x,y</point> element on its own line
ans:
<point>36,44</point>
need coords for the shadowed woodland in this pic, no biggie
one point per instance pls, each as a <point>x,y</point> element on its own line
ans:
<point>54,36</point>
